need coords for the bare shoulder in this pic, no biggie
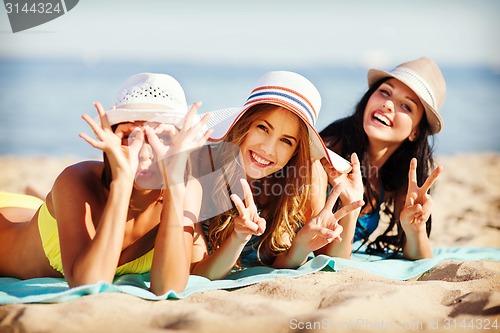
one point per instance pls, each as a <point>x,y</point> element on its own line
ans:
<point>78,181</point>
<point>80,171</point>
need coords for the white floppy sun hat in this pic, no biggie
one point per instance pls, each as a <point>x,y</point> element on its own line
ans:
<point>292,92</point>
<point>149,97</point>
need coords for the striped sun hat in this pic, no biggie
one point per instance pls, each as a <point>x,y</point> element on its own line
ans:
<point>292,92</point>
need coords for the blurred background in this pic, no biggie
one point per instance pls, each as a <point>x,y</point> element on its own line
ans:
<point>217,50</point>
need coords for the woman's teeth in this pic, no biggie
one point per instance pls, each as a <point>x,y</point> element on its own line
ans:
<point>382,119</point>
<point>260,160</point>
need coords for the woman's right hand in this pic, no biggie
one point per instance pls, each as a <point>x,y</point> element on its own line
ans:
<point>418,203</point>
<point>248,222</point>
<point>123,159</point>
<point>352,182</point>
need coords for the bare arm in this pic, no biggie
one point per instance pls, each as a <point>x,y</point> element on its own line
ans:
<point>218,264</point>
<point>353,191</point>
<point>181,206</point>
<point>323,229</point>
<point>416,212</point>
<point>248,223</point>
<point>174,241</point>
<point>91,254</point>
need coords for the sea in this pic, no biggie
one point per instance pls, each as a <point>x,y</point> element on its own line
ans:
<point>41,101</point>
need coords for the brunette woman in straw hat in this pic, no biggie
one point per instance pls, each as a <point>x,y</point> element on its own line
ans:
<point>273,222</point>
<point>128,214</point>
<point>390,131</point>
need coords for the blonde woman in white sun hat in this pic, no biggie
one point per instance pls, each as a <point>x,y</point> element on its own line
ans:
<point>276,220</point>
<point>390,131</point>
<point>128,214</point>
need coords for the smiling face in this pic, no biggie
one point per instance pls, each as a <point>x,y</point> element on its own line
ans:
<point>392,114</point>
<point>271,140</point>
<point>148,175</point>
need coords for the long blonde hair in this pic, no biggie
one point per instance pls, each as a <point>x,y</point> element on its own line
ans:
<point>284,213</point>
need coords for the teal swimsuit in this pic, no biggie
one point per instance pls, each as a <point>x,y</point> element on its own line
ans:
<point>368,223</point>
<point>248,257</point>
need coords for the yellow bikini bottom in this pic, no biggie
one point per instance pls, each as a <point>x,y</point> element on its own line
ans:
<point>16,200</point>
<point>47,226</point>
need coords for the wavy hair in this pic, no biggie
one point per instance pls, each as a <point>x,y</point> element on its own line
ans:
<point>283,212</point>
<point>347,136</point>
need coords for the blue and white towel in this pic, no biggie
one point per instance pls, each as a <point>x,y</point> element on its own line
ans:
<point>55,290</point>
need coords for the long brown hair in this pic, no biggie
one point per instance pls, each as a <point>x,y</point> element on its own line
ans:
<point>283,211</point>
<point>347,136</point>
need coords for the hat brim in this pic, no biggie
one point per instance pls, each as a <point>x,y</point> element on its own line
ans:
<point>319,150</point>
<point>223,120</point>
<point>123,115</point>
<point>116,116</point>
<point>433,117</point>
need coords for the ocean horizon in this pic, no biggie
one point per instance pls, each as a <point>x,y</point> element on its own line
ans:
<point>41,101</point>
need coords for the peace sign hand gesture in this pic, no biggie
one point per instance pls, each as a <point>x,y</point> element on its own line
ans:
<point>248,222</point>
<point>418,203</point>
<point>324,227</point>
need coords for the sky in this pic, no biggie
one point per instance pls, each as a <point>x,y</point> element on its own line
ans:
<point>291,32</point>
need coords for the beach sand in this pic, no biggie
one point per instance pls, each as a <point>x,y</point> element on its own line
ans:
<point>455,296</point>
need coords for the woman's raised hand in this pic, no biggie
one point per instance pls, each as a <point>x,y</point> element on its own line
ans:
<point>248,222</point>
<point>418,203</point>
<point>172,146</point>
<point>352,182</point>
<point>324,227</point>
<point>123,159</point>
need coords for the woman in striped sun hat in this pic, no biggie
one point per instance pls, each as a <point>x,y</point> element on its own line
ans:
<point>274,220</point>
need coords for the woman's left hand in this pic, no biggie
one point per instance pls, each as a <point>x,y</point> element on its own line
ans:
<point>172,147</point>
<point>324,227</point>
<point>352,182</point>
<point>418,203</point>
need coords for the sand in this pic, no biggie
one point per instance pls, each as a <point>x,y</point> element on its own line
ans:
<point>455,296</point>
